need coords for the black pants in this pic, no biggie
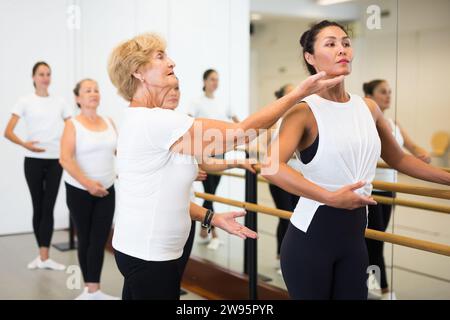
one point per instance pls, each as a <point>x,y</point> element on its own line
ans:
<point>284,201</point>
<point>379,216</point>
<point>93,218</point>
<point>186,251</point>
<point>43,178</point>
<point>148,280</point>
<point>329,261</point>
<point>210,185</point>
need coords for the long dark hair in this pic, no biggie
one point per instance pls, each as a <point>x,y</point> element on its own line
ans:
<point>206,75</point>
<point>309,37</point>
<point>36,66</point>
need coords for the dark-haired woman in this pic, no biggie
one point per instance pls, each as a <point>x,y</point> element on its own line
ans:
<point>379,215</point>
<point>88,147</point>
<point>209,107</point>
<point>324,254</point>
<point>44,115</point>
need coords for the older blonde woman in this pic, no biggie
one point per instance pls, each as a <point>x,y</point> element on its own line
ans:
<point>157,155</point>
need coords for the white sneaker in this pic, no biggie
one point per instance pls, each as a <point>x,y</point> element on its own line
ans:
<point>374,294</point>
<point>279,271</point>
<point>205,240</point>
<point>214,244</point>
<point>99,295</point>
<point>51,265</point>
<point>83,295</point>
<point>34,264</point>
<point>389,296</point>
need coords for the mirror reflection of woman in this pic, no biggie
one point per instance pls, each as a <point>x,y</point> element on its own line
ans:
<point>209,106</point>
<point>339,137</point>
<point>379,215</point>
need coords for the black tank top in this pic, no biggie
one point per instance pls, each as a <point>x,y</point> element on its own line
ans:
<point>308,154</point>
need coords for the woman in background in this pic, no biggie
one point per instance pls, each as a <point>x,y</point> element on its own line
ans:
<point>88,148</point>
<point>380,214</point>
<point>44,115</point>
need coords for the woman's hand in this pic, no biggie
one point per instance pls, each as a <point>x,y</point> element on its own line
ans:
<point>248,164</point>
<point>96,189</point>
<point>30,145</point>
<point>315,83</point>
<point>423,155</point>
<point>201,176</point>
<point>226,221</point>
<point>346,198</point>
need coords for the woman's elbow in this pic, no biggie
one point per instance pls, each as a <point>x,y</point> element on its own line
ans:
<point>63,161</point>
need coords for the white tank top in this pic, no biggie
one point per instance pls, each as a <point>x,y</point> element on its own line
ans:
<point>94,153</point>
<point>348,151</point>
<point>385,174</point>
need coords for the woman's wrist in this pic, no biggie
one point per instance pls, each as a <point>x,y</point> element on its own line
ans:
<point>327,198</point>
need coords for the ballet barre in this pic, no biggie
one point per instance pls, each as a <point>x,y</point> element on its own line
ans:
<point>381,185</point>
<point>371,234</point>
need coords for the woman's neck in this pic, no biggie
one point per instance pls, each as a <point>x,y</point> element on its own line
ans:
<point>209,94</point>
<point>149,97</point>
<point>336,93</point>
<point>41,92</point>
<point>89,114</point>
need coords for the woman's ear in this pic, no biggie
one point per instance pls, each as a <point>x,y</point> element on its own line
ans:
<point>310,58</point>
<point>138,76</point>
<point>77,99</point>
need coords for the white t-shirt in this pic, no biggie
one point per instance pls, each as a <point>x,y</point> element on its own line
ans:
<point>204,107</point>
<point>153,221</point>
<point>44,121</point>
<point>94,153</point>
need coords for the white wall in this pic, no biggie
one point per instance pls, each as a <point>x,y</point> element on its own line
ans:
<point>198,32</point>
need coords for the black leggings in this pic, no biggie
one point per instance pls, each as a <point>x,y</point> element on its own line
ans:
<point>329,261</point>
<point>43,178</point>
<point>148,280</point>
<point>379,216</point>
<point>284,201</point>
<point>93,218</point>
<point>186,251</point>
<point>210,185</point>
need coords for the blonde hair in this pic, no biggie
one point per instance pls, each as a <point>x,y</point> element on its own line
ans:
<point>128,57</point>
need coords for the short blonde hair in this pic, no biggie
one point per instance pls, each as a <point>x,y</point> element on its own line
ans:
<point>128,57</point>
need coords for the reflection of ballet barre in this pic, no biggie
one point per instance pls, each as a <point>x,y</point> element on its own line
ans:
<point>380,185</point>
<point>402,188</point>
<point>412,204</point>
<point>371,234</point>
<point>381,165</point>
<point>385,166</point>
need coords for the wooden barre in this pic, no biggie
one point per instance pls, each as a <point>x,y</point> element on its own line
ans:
<point>386,166</point>
<point>371,234</point>
<point>381,185</point>
<point>412,204</point>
